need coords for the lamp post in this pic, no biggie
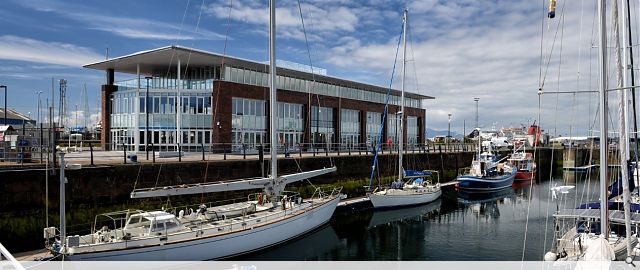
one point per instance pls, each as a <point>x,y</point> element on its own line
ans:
<point>449,130</point>
<point>476,100</point>
<point>40,125</point>
<point>5,103</point>
<point>146,123</point>
<point>38,117</point>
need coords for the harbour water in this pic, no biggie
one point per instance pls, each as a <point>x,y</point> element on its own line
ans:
<point>477,227</point>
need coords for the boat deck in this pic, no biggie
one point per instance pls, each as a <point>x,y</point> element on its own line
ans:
<point>34,255</point>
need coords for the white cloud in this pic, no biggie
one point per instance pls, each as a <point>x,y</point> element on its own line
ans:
<point>467,49</point>
<point>138,28</point>
<point>323,20</point>
<point>31,50</point>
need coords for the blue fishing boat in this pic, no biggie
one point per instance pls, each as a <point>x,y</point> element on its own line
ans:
<point>487,174</point>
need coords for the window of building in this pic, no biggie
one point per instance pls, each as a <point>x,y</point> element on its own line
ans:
<point>412,131</point>
<point>248,123</point>
<point>374,124</point>
<point>349,128</point>
<point>322,126</point>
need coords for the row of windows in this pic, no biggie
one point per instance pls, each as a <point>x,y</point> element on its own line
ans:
<point>259,78</point>
<point>168,105</point>
<point>203,79</point>
<point>163,140</point>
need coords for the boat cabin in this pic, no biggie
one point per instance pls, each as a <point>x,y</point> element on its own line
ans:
<point>156,222</point>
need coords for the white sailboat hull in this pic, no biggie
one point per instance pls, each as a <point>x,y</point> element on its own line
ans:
<point>225,245</point>
<point>400,198</point>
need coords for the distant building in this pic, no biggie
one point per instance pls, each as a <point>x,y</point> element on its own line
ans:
<point>15,119</point>
<point>199,98</point>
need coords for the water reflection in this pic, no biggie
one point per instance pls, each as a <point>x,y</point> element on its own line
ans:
<point>458,227</point>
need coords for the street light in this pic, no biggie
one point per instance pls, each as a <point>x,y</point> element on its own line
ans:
<point>5,103</point>
<point>476,100</point>
<point>38,122</point>
<point>449,130</point>
<point>38,118</point>
<point>146,125</point>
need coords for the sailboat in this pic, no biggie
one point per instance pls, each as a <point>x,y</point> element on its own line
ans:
<point>412,187</point>
<point>210,232</point>
<point>591,233</point>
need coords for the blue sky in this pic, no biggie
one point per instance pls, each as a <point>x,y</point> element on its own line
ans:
<point>459,49</point>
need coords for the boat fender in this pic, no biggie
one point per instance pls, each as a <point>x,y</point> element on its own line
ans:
<point>283,202</point>
<point>550,256</point>
<point>299,200</point>
<point>181,214</point>
<point>552,9</point>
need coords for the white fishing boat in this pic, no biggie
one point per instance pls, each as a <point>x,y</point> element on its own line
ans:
<point>412,187</point>
<point>209,232</point>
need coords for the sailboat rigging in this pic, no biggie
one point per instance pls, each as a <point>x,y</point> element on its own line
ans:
<point>210,232</point>
<point>583,241</point>
<point>411,187</point>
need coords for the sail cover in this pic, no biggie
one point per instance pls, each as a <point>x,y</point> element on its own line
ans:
<point>599,250</point>
<point>616,188</point>
<point>414,173</point>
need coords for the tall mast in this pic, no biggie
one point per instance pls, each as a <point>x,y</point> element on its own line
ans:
<point>624,116</point>
<point>401,113</point>
<point>273,107</point>
<point>602,57</point>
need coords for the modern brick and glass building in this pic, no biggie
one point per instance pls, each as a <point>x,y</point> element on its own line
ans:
<point>197,98</point>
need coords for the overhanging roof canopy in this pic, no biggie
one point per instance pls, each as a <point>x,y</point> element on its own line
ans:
<point>158,61</point>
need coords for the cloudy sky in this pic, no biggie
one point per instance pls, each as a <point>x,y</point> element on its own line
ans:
<point>499,51</point>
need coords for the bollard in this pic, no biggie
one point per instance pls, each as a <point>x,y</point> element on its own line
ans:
<point>91,151</point>
<point>244,151</point>
<point>299,150</point>
<point>202,145</point>
<point>179,155</point>
<point>124,152</point>
<point>261,159</point>
<point>153,153</point>
<point>349,149</point>
<point>224,152</point>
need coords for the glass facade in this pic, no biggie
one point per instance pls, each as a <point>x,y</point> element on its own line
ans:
<point>374,123</point>
<point>129,114</point>
<point>194,108</point>
<point>393,128</point>
<point>322,127</point>
<point>248,123</point>
<point>253,77</point>
<point>349,128</point>
<point>412,131</point>
<point>290,124</point>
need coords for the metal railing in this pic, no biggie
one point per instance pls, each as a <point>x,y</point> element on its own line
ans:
<point>92,155</point>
